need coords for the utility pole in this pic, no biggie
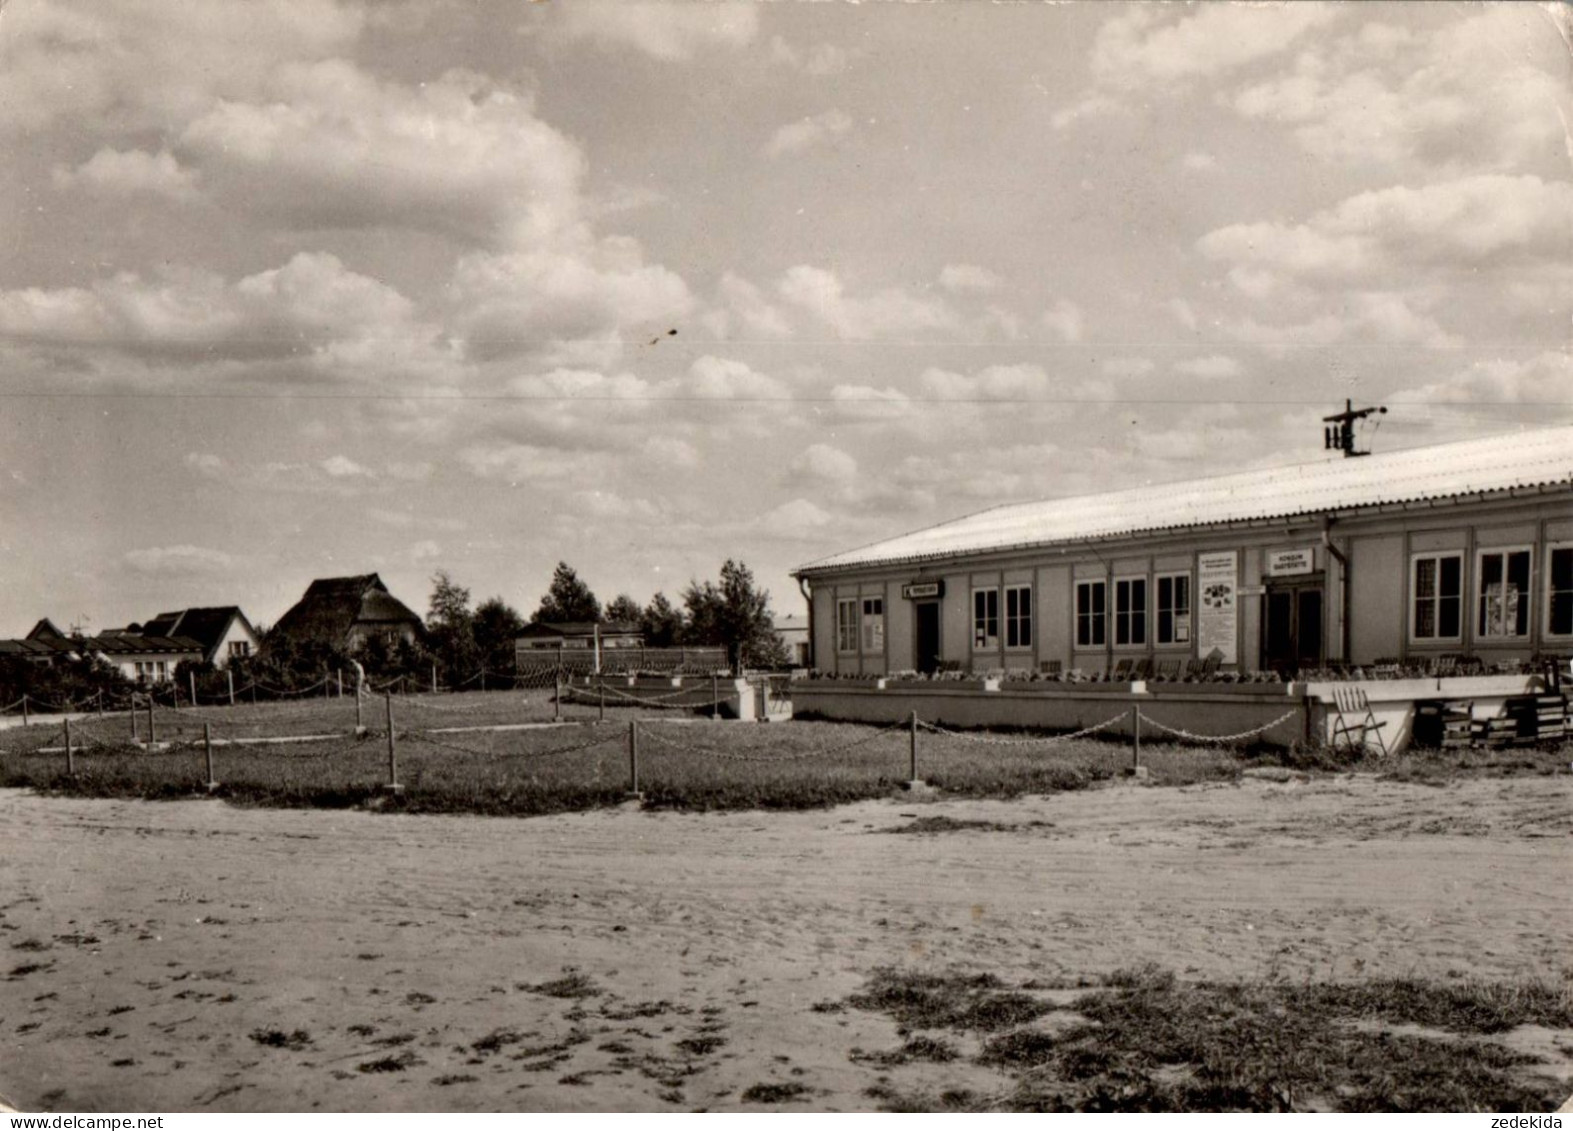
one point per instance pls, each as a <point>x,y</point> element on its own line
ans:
<point>1339,435</point>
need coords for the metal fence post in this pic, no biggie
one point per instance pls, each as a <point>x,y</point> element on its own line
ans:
<point>912,761</point>
<point>207,754</point>
<point>633,756</point>
<point>70,759</point>
<point>393,759</point>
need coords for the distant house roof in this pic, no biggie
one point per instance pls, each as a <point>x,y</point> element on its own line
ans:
<point>578,628</point>
<point>1523,460</point>
<point>333,606</point>
<point>46,630</point>
<point>792,624</point>
<point>207,626</point>
<point>125,644</point>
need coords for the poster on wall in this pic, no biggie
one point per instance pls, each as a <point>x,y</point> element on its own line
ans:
<point>1218,604</point>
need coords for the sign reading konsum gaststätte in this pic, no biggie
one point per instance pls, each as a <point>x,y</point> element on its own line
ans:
<point>1217,604</point>
<point>923,590</point>
<point>1287,563</point>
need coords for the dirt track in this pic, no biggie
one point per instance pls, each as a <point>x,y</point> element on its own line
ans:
<point>162,935</point>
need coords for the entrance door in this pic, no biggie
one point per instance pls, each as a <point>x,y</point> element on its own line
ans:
<point>1292,626</point>
<point>927,613</point>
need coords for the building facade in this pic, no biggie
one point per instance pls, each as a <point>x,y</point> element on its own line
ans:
<point>1460,549</point>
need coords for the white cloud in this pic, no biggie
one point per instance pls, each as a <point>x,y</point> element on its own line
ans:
<point>1545,379</point>
<point>1183,314</point>
<point>182,560</point>
<point>719,378</point>
<point>1065,319</point>
<point>670,452</point>
<point>1197,161</point>
<point>425,550</point>
<point>1382,316</point>
<point>205,463</point>
<point>992,383</point>
<point>1163,44</point>
<point>1209,368</point>
<point>757,315</point>
<point>113,172</point>
<point>820,59</point>
<point>525,463</point>
<point>822,463</point>
<point>342,467</point>
<point>805,133</point>
<point>966,277</point>
<point>666,31</point>
<point>795,518</point>
<point>887,312</point>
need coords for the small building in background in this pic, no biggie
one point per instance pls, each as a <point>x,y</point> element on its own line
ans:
<point>223,631</point>
<point>793,633</point>
<point>140,657</point>
<point>345,612</point>
<point>540,636</point>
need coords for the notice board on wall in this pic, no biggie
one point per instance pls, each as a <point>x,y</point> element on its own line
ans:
<point>1218,604</point>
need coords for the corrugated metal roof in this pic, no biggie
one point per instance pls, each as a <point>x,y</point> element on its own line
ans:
<point>1496,463</point>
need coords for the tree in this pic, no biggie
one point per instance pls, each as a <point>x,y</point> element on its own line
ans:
<point>568,599</point>
<point>660,624</point>
<point>623,610</point>
<point>735,615</point>
<point>451,626</point>
<point>497,626</point>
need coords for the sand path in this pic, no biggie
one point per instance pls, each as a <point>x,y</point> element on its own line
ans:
<point>145,942</point>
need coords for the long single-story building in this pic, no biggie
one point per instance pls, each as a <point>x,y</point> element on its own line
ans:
<point>1418,556</point>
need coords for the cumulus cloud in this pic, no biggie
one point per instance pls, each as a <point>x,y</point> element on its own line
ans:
<point>1128,366</point>
<point>1383,316</point>
<point>891,311</point>
<point>805,133</point>
<point>820,59</point>
<point>1065,319</point>
<point>755,315</point>
<point>960,278</point>
<point>1482,221</point>
<point>670,452</point>
<point>670,32</point>
<point>342,467</point>
<point>822,463</point>
<point>181,560</point>
<point>425,550</point>
<point>1488,91</point>
<point>524,463</point>
<point>1209,368</point>
<point>133,172</point>
<point>1544,379</point>
<point>795,518</point>
<point>1152,43</point>
<point>719,378</point>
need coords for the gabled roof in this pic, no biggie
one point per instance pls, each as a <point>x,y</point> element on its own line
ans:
<point>207,626</point>
<point>333,606</point>
<point>128,644</point>
<point>1524,460</point>
<point>46,630</point>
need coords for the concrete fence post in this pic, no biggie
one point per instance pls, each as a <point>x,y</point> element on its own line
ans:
<point>1136,737</point>
<point>207,754</point>
<point>151,734</point>
<point>557,697</point>
<point>912,749</point>
<point>633,756</point>
<point>393,757</point>
<point>339,676</point>
<point>600,710</point>
<point>70,757</point>
<point>434,679</point>
<point>25,718</point>
<point>133,713</point>
<point>230,678</point>
<point>360,725</point>
<point>191,680</point>
<point>715,696</point>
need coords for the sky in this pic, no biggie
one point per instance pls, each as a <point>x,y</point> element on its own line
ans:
<point>305,288</point>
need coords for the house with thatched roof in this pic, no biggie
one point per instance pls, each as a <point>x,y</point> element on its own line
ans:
<point>345,612</point>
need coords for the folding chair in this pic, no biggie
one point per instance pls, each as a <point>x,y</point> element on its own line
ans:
<point>1122,671</point>
<point>1050,668</point>
<point>1210,666</point>
<point>1167,670</point>
<point>1355,719</point>
<point>1142,668</point>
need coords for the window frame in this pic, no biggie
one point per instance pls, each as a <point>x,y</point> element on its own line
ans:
<point>871,625</point>
<point>846,626</point>
<point>1130,581</point>
<point>987,642</point>
<point>1414,597</point>
<point>1171,577</point>
<point>1552,549</point>
<point>1018,624</point>
<point>1096,620</point>
<point>1478,609</point>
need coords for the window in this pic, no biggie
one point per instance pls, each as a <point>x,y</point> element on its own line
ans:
<point>1174,608</point>
<point>240,647</point>
<point>873,624</point>
<point>1018,616</point>
<point>1130,611</point>
<point>1091,611</point>
<point>1503,586</point>
<point>985,619</point>
<point>847,625</point>
<point>1559,591</point>
<point>1438,611</point>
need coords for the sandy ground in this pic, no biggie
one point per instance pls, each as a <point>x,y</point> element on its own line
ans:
<point>161,935</point>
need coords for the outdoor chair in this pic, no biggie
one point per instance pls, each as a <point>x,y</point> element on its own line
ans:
<point>1354,720</point>
<point>1122,671</point>
<point>1210,667</point>
<point>1050,668</point>
<point>1167,670</point>
<point>1142,668</point>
